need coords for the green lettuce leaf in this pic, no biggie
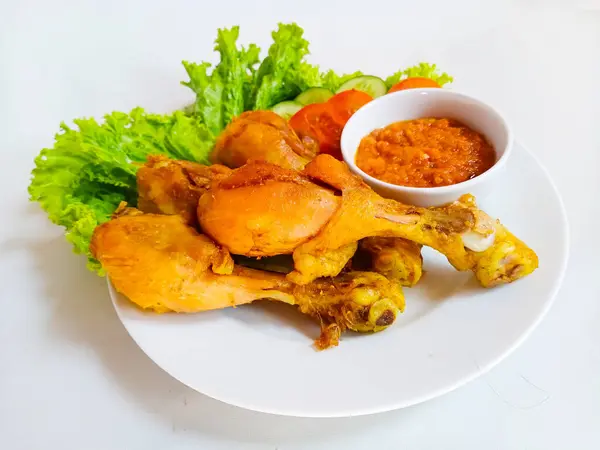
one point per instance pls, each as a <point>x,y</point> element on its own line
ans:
<point>333,81</point>
<point>236,85</point>
<point>225,92</point>
<point>308,76</point>
<point>236,69</point>
<point>283,74</point>
<point>82,179</point>
<point>424,70</point>
<point>209,95</point>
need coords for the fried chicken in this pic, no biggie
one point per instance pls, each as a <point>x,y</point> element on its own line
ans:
<point>467,236</point>
<point>162,264</point>
<point>262,136</point>
<point>167,186</point>
<point>265,136</point>
<point>396,258</point>
<point>267,209</point>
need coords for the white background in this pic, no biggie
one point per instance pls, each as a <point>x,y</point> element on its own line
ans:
<point>71,378</point>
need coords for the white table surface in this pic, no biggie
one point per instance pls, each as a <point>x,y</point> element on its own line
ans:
<point>70,376</point>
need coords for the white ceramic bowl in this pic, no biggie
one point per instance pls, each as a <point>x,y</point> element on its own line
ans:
<point>429,102</point>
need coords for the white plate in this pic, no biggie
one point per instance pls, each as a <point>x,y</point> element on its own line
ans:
<point>260,356</point>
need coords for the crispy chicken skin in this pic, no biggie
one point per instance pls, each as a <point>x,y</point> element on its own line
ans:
<point>467,236</point>
<point>262,136</point>
<point>162,264</point>
<point>263,210</point>
<point>167,186</point>
<point>174,187</point>
<point>157,261</point>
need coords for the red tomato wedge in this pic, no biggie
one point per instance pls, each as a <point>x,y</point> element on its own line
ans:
<point>414,82</point>
<point>324,122</point>
<point>316,121</point>
<point>347,103</point>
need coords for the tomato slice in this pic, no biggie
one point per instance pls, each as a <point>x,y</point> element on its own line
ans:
<point>347,103</point>
<point>324,122</point>
<point>316,121</point>
<point>414,82</point>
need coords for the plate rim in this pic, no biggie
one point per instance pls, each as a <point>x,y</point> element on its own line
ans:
<point>392,406</point>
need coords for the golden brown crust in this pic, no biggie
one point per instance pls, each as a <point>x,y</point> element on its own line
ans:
<point>263,136</point>
<point>167,186</point>
<point>161,264</point>
<point>265,210</point>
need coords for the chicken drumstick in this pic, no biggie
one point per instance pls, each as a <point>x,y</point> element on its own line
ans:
<point>467,236</point>
<point>161,264</point>
<point>326,209</point>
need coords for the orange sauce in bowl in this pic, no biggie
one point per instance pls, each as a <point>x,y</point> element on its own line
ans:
<point>426,152</point>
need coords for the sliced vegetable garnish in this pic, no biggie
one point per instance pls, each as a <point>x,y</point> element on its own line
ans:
<point>314,95</point>
<point>324,122</point>
<point>317,122</point>
<point>374,86</point>
<point>332,81</point>
<point>414,83</point>
<point>422,70</point>
<point>346,103</point>
<point>287,109</point>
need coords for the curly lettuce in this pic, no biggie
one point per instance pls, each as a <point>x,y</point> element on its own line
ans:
<point>225,92</point>
<point>424,70</point>
<point>333,81</point>
<point>283,74</point>
<point>90,169</point>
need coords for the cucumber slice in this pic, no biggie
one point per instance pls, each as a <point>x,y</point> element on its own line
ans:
<point>373,86</point>
<point>314,95</point>
<point>287,109</point>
